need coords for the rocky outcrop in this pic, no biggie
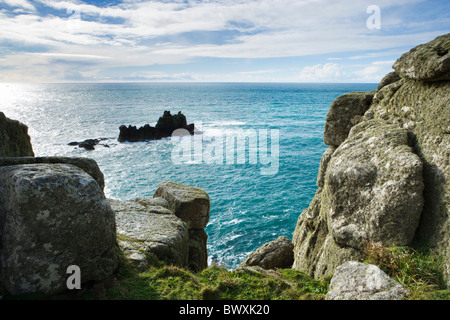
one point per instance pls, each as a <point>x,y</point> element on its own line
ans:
<point>344,113</point>
<point>90,166</point>
<point>169,226</point>
<point>188,203</point>
<point>359,281</point>
<point>164,128</point>
<point>53,216</point>
<point>426,62</point>
<point>145,228</point>
<point>89,144</point>
<point>388,180</point>
<point>391,77</point>
<point>14,138</point>
<point>373,187</point>
<point>372,192</point>
<point>191,205</point>
<point>272,255</point>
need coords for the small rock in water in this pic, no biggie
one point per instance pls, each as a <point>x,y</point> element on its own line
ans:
<point>89,144</point>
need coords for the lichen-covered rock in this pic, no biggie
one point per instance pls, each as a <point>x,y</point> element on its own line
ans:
<point>382,176</point>
<point>198,255</point>
<point>14,138</point>
<point>359,281</point>
<point>372,191</point>
<point>422,108</point>
<point>275,254</point>
<point>373,187</point>
<point>391,77</point>
<point>190,204</point>
<point>170,226</point>
<point>426,62</point>
<point>88,165</point>
<point>323,165</point>
<point>150,229</point>
<point>53,216</point>
<point>344,113</point>
<point>149,202</point>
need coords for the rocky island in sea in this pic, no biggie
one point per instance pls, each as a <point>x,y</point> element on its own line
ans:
<point>384,181</point>
<point>164,128</point>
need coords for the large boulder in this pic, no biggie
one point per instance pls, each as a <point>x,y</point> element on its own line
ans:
<point>344,113</point>
<point>190,204</point>
<point>372,191</point>
<point>90,166</point>
<point>53,216</point>
<point>14,138</point>
<point>170,226</point>
<point>145,228</point>
<point>359,281</point>
<point>373,187</point>
<point>426,62</point>
<point>391,77</point>
<point>272,255</point>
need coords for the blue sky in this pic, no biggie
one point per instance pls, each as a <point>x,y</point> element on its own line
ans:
<point>211,40</point>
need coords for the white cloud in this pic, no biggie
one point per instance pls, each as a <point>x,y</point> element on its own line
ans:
<point>143,33</point>
<point>328,72</point>
<point>333,72</point>
<point>375,71</point>
<point>19,3</point>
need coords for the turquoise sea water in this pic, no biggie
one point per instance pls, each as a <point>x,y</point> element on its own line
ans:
<point>248,208</point>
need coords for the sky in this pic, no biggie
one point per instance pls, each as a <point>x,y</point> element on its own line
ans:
<point>345,41</point>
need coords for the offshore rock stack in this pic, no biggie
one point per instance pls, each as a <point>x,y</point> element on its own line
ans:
<point>164,128</point>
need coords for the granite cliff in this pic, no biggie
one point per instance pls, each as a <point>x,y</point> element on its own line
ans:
<point>386,174</point>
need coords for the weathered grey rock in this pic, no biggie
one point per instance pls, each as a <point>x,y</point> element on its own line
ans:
<point>169,226</point>
<point>344,113</point>
<point>275,254</point>
<point>388,79</point>
<point>359,281</point>
<point>413,111</point>
<point>151,202</point>
<point>88,165</point>
<point>53,216</point>
<point>423,109</point>
<point>153,230</point>
<point>198,255</point>
<point>426,62</point>
<point>188,203</point>
<point>374,187</point>
<point>323,165</point>
<point>372,191</point>
<point>14,138</point>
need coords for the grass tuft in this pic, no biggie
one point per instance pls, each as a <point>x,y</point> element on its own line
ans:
<point>418,270</point>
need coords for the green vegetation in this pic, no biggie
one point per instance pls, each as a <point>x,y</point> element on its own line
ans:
<point>418,270</point>
<point>170,282</point>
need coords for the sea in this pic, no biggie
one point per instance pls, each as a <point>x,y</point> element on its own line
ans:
<point>257,156</point>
